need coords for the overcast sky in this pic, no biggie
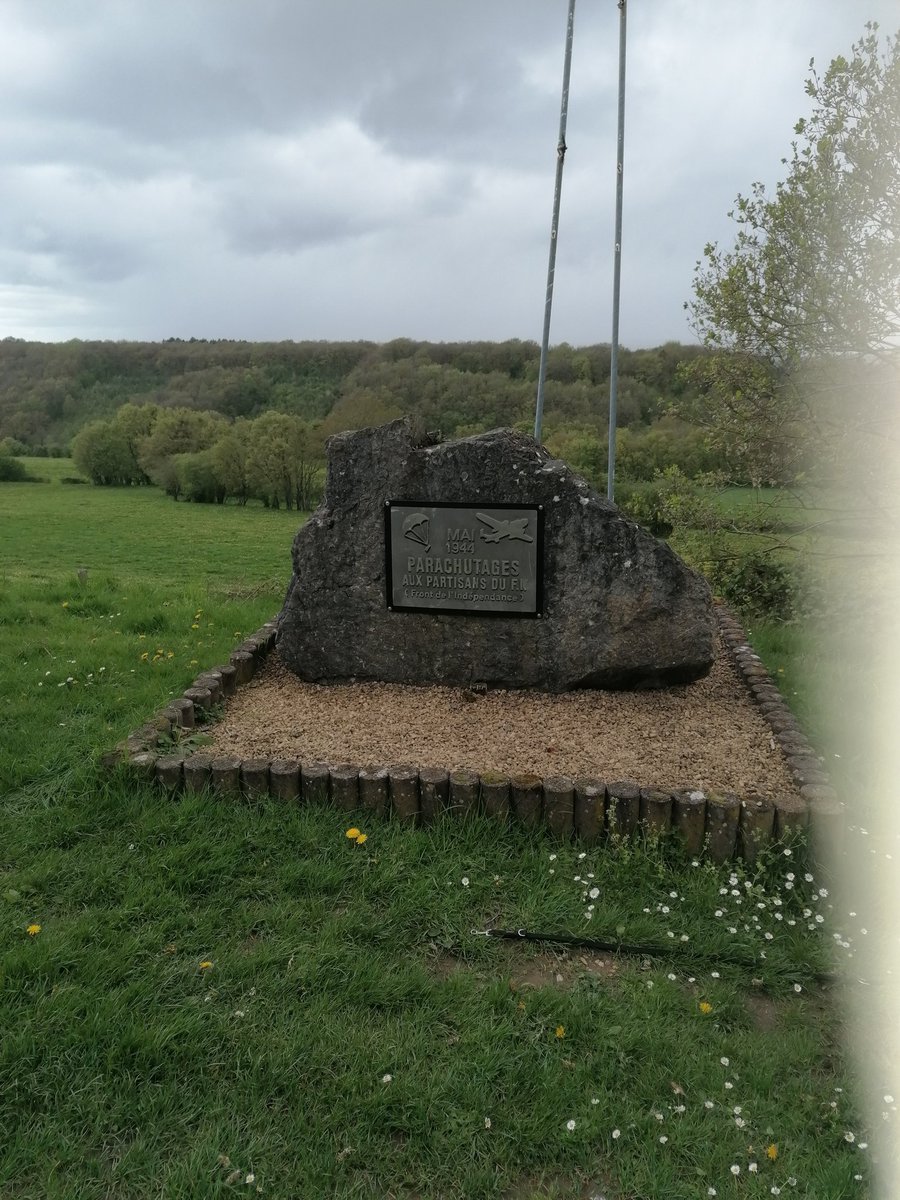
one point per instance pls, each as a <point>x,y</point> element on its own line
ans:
<point>342,169</point>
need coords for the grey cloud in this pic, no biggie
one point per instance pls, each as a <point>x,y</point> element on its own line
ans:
<point>478,108</point>
<point>262,227</point>
<point>336,183</point>
<point>344,168</point>
<point>47,255</point>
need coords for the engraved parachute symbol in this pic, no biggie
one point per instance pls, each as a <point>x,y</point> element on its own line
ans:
<point>416,529</point>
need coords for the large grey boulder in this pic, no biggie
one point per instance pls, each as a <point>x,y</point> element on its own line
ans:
<point>618,609</point>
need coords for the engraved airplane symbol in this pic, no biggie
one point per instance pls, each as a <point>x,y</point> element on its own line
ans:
<point>513,529</point>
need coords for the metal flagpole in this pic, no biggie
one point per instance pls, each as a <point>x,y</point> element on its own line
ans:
<point>551,267</point>
<point>617,263</point>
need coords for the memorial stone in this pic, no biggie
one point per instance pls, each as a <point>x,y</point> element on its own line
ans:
<point>483,561</point>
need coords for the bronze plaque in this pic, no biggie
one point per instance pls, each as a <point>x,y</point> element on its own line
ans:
<point>482,560</point>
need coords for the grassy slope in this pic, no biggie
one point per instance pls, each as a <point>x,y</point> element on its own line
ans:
<point>170,589</point>
<point>127,1068</point>
<point>138,532</point>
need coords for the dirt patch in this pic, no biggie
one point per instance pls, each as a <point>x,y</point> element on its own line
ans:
<point>707,735</point>
<point>547,970</point>
<point>763,1013</point>
<point>544,969</point>
<point>550,1185</point>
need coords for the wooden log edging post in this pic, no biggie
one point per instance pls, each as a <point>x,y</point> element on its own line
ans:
<point>345,787</point>
<point>464,788</point>
<point>723,810</point>
<point>526,799</point>
<point>403,787</point>
<point>624,807</point>
<point>559,806</point>
<point>656,811</point>
<point>225,777</point>
<point>255,778</point>
<point>434,792</point>
<point>590,810</point>
<point>373,791</point>
<point>197,772</point>
<point>144,764</point>
<point>689,819</point>
<point>169,772</point>
<point>284,780</point>
<point>494,794</point>
<point>315,783</point>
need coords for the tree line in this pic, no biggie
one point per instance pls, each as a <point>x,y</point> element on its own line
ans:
<point>279,458</point>
<point>49,391</point>
<point>203,456</point>
<point>218,421</point>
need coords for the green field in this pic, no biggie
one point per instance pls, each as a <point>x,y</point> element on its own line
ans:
<point>220,1000</point>
<point>137,532</point>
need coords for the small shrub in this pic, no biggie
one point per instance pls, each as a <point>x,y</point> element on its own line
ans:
<point>13,471</point>
<point>645,504</point>
<point>671,501</point>
<point>756,584</point>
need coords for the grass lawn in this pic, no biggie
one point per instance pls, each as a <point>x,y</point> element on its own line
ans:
<point>204,1000</point>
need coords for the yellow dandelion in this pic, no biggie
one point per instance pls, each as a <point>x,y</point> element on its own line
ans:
<point>705,1006</point>
<point>195,626</point>
<point>772,1152</point>
<point>363,837</point>
<point>33,930</point>
<point>352,833</point>
<point>205,965</point>
<point>65,604</point>
<point>560,1031</point>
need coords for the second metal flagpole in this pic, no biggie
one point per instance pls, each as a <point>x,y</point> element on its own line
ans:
<point>554,227</point>
<point>617,263</point>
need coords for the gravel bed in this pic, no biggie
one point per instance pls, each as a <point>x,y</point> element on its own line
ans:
<point>706,735</point>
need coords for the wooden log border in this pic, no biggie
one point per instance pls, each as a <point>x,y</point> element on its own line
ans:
<point>719,825</point>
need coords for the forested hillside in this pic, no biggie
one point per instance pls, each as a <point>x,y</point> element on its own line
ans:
<point>50,391</point>
<point>222,420</point>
